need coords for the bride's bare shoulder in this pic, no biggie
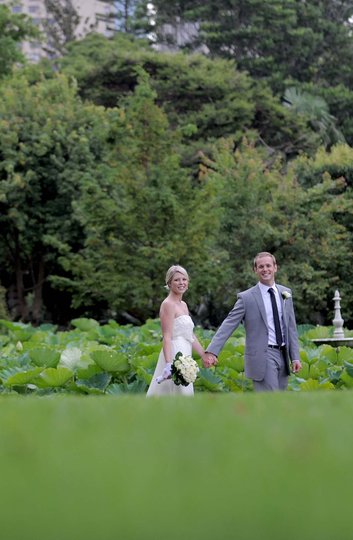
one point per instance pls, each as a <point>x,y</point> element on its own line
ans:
<point>167,307</point>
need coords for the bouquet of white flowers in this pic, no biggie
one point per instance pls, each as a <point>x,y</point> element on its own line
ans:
<point>183,370</point>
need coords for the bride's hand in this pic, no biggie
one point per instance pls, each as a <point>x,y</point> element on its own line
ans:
<point>166,373</point>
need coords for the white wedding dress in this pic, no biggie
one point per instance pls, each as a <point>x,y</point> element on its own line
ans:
<point>182,338</point>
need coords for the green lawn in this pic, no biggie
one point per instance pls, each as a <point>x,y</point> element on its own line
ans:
<point>236,466</point>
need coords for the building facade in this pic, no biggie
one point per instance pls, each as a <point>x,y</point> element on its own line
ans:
<point>93,14</point>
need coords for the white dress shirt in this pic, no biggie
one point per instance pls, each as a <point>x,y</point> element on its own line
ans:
<point>269,313</point>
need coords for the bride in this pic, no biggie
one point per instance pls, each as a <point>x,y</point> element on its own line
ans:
<point>178,334</point>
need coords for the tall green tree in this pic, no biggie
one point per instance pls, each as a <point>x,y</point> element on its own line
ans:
<point>60,26</point>
<point>143,215</point>
<point>316,110</point>
<point>129,16</point>
<point>276,39</point>
<point>267,209</point>
<point>338,166</point>
<point>205,98</point>
<point>339,99</point>
<point>49,143</point>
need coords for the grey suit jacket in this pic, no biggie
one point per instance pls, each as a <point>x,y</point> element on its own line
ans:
<point>249,309</point>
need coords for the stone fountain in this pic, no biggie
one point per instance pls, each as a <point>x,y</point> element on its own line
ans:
<point>338,339</point>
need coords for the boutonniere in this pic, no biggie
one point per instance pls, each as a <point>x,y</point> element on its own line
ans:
<point>286,295</point>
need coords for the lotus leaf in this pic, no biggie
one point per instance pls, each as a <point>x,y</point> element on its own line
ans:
<point>44,356</point>
<point>111,361</point>
<point>115,389</point>
<point>85,325</point>
<point>18,329</point>
<point>316,372</point>
<point>310,356</point>
<point>208,380</point>
<point>312,384</point>
<point>349,368</point>
<point>147,362</point>
<point>96,384</point>
<point>145,349</point>
<point>143,374</point>
<point>345,354</point>
<point>232,380</point>
<point>304,328</point>
<point>53,377</point>
<point>41,337</point>
<point>329,353</point>
<point>346,379</point>
<point>334,374</point>
<point>88,371</point>
<point>318,332</point>
<point>21,377</point>
<point>135,387</point>
<point>305,370</point>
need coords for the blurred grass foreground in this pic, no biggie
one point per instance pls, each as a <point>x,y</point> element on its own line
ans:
<point>232,466</point>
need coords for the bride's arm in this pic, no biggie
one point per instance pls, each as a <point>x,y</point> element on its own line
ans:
<point>167,313</point>
<point>197,347</point>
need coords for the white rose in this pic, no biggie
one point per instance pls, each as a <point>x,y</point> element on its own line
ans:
<point>286,295</point>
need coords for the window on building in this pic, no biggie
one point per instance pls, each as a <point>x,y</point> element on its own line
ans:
<point>34,57</point>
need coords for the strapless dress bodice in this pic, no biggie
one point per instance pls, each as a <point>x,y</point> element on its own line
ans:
<point>183,328</point>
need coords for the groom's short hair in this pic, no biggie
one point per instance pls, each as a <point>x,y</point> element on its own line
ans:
<point>264,254</point>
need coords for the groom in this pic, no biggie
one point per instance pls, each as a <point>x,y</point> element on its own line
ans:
<point>271,344</point>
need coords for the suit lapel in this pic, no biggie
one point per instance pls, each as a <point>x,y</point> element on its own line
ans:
<point>258,297</point>
<point>284,305</point>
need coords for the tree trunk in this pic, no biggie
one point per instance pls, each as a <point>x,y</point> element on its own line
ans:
<point>38,294</point>
<point>22,311</point>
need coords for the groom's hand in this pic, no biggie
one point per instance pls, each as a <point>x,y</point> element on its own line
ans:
<point>296,366</point>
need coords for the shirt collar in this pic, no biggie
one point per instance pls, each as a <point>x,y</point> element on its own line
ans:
<point>264,288</point>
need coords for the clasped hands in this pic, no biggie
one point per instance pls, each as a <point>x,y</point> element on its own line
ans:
<point>209,359</point>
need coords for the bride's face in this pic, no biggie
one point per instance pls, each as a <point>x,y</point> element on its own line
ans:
<point>179,283</point>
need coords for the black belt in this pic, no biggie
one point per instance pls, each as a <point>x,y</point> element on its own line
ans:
<point>276,347</point>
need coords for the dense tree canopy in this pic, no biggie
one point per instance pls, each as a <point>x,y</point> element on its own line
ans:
<point>205,98</point>
<point>49,143</point>
<point>264,209</point>
<point>125,159</point>
<point>276,39</point>
<point>140,216</point>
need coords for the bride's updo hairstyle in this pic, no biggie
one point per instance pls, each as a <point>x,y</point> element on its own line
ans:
<point>172,271</point>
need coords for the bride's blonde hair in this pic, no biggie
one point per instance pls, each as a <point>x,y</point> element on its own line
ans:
<point>172,271</point>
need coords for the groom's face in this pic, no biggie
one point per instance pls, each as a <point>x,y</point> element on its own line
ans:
<point>265,270</point>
